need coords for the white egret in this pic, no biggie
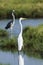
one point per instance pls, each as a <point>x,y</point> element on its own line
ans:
<point>20,45</point>
<point>20,38</point>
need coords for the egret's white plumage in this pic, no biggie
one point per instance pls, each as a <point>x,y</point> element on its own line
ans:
<point>20,44</point>
<point>20,38</point>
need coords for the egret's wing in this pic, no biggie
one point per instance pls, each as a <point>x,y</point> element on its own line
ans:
<point>20,43</point>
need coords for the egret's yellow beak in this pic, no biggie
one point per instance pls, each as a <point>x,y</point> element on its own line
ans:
<point>24,18</point>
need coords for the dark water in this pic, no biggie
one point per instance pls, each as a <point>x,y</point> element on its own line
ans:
<point>16,28</point>
<point>12,59</point>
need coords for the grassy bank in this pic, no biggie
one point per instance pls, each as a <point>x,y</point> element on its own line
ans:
<point>24,8</point>
<point>6,43</point>
<point>33,41</point>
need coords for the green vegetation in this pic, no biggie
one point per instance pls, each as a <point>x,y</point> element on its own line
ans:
<point>33,41</point>
<point>24,8</point>
<point>3,33</point>
<point>7,43</point>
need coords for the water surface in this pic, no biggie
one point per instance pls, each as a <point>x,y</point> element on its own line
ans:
<point>16,28</point>
<point>12,59</point>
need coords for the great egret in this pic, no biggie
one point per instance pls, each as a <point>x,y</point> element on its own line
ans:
<point>20,45</point>
<point>11,23</point>
<point>20,38</point>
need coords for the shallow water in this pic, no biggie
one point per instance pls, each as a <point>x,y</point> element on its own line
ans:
<point>12,59</point>
<point>16,28</point>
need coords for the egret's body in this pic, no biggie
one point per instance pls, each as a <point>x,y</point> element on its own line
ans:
<point>20,38</point>
<point>20,42</point>
<point>20,45</point>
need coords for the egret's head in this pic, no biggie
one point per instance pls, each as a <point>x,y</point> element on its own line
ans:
<point>22,18</point>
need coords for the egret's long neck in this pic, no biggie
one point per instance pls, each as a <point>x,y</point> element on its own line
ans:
<point>20,25</point>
